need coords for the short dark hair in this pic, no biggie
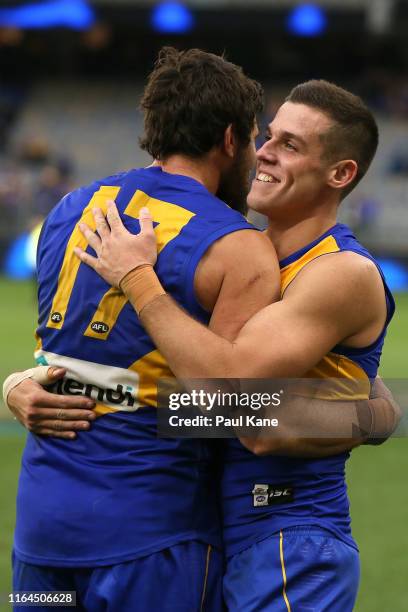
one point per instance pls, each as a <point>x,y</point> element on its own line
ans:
<point>190,99</point>
<point>354,134</point>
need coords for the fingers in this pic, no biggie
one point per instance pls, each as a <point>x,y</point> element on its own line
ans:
<point>65,435</point>
<point>44,375</point>
<point>100,222</point>
<point>55,373</point>
<point>43,399</point>
<point>64,425</point>
<point>146,221</point>
<point>53,414</point>
<point>113,216</point>
<point>93,239</point>
<point>87,259</point>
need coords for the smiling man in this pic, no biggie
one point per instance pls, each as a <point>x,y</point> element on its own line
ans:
<point>330,324</point>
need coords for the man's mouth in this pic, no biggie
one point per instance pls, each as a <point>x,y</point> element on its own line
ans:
<point>267,178</point>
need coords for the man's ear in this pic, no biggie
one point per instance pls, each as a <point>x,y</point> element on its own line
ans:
<point>230,141</point>
<point>342,173</point>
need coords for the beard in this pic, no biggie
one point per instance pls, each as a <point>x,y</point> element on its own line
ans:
<point>235,183</point>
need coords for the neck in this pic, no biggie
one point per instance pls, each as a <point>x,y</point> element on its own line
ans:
<point>288,238</point>
<point>201,170</point>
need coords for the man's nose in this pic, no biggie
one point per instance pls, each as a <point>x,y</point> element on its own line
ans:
<point>267,153</point>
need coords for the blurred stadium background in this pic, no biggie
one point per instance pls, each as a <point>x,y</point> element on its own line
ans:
<point>72,72</point>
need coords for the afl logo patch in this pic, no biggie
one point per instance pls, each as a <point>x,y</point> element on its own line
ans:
<point>56,317</point>
<point>261,500</point>
<point>99,327</point>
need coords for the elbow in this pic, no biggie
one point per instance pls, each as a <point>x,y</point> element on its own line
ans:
<point>297,447</point>
<point>385,419</point>
<point>263,450</point>
<point>263,446</point>
<point>396,417</point>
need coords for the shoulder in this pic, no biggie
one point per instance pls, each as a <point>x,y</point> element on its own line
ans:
<point>245,249</point>
<point>342,271</point>
<point>242,260</point>
<point>82,194</point>
<point>344,286</point>
<point>116,180</point>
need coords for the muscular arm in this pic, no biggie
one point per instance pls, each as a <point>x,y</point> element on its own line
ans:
<point>234,287</point>
<point>311,427</point>
<point>286,340</point>
<point>325,305</point>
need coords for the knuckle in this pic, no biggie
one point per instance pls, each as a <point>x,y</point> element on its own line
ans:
<point>34,397</point>
<point>31,413</point>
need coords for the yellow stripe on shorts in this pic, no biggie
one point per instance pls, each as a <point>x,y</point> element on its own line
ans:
<point>282,560</point>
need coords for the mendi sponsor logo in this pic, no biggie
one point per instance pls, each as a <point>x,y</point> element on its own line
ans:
<point>108,385</point>
<point>120,396</point>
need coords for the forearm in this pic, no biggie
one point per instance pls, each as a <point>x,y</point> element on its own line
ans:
<point>193,351</point>
<point>317,428</point>
<point>309,427</point>
<point>175,333</point>
<point>301,447</point>
<point>385,411</point>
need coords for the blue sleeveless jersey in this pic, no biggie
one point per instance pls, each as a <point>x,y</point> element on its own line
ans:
<point>117,492</point>
<point>318,485</point>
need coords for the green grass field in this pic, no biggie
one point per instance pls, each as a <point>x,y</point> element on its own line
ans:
<point>377,476</point>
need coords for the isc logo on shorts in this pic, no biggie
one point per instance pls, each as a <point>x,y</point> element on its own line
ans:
<point>271,495</point>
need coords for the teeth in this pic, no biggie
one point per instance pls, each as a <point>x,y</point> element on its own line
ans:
<point>265,178</point>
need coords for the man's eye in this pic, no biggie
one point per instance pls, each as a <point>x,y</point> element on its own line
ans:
<point>267,137</point>
<point>289,145</point>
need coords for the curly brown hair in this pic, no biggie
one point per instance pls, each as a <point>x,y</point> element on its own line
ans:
<point>191,97</point>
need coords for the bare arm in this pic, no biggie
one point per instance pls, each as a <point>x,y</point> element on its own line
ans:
<point>286,342</point>
<point>234,287</point>
<point>325,305</point>
<point>318,428</point>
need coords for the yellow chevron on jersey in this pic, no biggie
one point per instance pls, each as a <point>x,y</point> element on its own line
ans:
<point>150,369</point>
<point>38,342</point>
<point>71,263</point>
<point>346,379</point>
<point>171,218</point>
<point>289,272</point>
